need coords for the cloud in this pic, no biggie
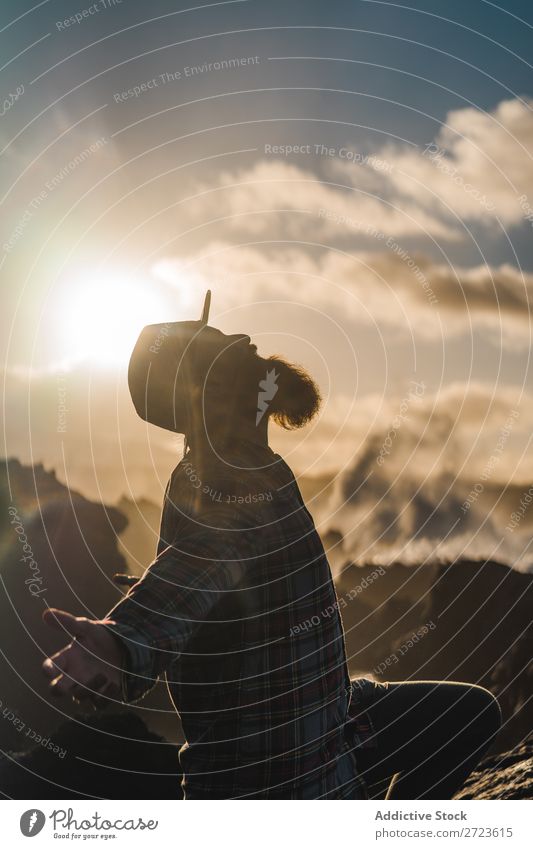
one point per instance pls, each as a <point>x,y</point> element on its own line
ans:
<point>440,480</point>
<point>477,168</point>
<point>336,232</point>
<point>267,194</point>
<point>390,287</point>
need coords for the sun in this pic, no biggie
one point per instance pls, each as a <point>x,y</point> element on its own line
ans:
<point>103,314</point>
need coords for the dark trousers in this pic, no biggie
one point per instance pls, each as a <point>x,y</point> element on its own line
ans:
<point>430,736</point>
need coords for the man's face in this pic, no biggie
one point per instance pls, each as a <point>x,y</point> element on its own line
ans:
<point>171,363</point>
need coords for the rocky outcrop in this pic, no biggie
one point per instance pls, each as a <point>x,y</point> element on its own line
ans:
<point>464,621</point>
<point>71,554</point>
<point>104,756</point>
<point>138,542</point>
<point>507,776</point>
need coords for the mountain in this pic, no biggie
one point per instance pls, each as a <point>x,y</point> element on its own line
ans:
<point>71,555</point>
<point>465,621</point>
<point>138,541</point>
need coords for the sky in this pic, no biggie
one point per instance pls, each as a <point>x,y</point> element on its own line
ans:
<point>353,180</point>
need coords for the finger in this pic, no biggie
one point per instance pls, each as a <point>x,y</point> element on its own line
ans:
<point>49,668</point>
<point>59,686</point>
<point>76,626</point>
<point>59,662</point>
<point>64,685</point>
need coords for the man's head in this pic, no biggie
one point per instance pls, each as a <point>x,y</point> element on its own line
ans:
<point>191,378</point>
<point>173,362</point>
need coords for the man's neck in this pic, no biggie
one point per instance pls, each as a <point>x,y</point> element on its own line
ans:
<point>219,444</point>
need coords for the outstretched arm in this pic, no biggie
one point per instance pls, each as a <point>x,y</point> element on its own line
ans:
<point>123,655</point>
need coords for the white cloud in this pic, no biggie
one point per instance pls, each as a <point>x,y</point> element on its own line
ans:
<point>478,160</point>
<point>468,444</point>
<point>390,287</point>
<point>475,169</point>
<point>254,199</point>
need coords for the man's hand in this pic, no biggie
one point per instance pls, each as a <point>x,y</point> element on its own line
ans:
<point>90,666</point>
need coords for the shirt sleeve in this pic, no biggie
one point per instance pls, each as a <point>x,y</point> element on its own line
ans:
<point>160,613</point>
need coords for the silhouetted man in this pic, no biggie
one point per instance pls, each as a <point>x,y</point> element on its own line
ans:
<point>239,610</point>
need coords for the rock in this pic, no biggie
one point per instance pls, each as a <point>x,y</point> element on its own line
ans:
<point>138,542</point>
<point>507,776</point>
<point>100,755</point>
<point>478,629</point>
<point>72,551</point>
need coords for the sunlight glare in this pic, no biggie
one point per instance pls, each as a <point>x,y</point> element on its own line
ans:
<point>105,312</point>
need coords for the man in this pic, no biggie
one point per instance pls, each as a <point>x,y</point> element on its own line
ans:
<point>239,610</point>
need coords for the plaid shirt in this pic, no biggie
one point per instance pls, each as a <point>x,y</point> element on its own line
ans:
<point>240,612</point>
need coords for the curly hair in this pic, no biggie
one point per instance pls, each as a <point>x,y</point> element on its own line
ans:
<point>297,399</point>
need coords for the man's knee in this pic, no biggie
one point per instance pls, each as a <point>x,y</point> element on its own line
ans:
<point>486,713</point>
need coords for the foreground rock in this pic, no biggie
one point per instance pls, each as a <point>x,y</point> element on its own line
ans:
<point>507,776</point>
<point>102,756</point>
<point>115,756</point>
